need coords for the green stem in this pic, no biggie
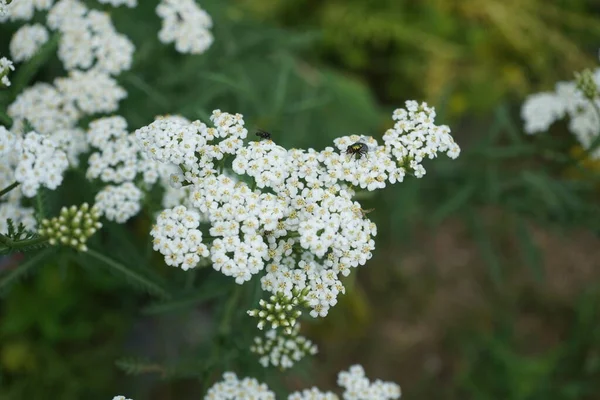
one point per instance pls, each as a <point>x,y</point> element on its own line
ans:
<point>151,286</point>
<point>225,324</point>
<point>8,188</point>
<point>19,244</point>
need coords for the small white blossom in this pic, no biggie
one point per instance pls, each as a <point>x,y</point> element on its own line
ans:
<point>177,237</point>
<point>186,24</point>
<point>27,41</point>
<point>313,394</point>
<point>41,163</point>
<point>120,398</point>
<point>6,66</point>
<point>358,387</point>
<point>44,108</point>
<point>91,91</point>
<point>282,350</point>
<point>22,9</point>
<point>541,110</point>
<point>89,39</point>
<point>232,388</point>
<point>119,203</point>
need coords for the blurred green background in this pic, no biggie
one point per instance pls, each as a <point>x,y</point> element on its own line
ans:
<point>485,280</point>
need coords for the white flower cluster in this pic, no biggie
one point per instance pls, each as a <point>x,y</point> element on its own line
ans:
<point>6,66</point>
<point>91,91</point>
<point>10,204</point>
<point>357,387</point>
<point>89,39</point>
<point>313,394</point>
<point>22,9</point>
<point>541,110</point>
<point>27,41</point>
<point>40,163</point>
<point>120,398</point>
<point>119,203</point>
<point>116,3</point>
<point>232,388</point>
<point>282,350</point>
<point>177,237</point>
<point>186,24</point>
<point>301,224</point>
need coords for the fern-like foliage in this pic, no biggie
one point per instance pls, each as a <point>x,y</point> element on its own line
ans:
<point>19,238</point>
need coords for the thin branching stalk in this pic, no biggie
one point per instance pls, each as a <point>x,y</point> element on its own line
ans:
<point>8,188</point>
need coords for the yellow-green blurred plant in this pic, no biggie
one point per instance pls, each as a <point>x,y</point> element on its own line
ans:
<point>472,51</point>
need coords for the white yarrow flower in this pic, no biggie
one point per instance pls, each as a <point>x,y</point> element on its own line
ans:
<point>41,163</point>
<point>6,66</point>
<point>27,41</point>
<point>186,24</point>
<point>119,203</point>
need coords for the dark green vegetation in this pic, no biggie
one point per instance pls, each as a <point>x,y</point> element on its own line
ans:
<point>485,279</point>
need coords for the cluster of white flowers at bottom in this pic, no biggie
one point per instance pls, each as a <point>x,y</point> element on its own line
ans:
<point>116,3</point>
<point>541,110</point>
<point>119,203</point>
<point>186,24</point>
<point>282,350</point>
<point>120,398</point>
<point>5,67</point>
<point>232,388</point>
<point>40,163</point>
<point>177,237</point>
<point>357,387</point>
<point>27,41</point>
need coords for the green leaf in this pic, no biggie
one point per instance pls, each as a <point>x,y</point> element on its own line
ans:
<point>482,238</point>
<point>210,290</point>
<point>132,276</point>
<point>543,186</point>
<point>25,268</point>
<point>460,198</point>
<point>529,250</point>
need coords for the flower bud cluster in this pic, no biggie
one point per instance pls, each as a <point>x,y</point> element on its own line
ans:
<point>73,227</point>
<point>281,349</point>
<point>586,84</point>
<point>280,310</point>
